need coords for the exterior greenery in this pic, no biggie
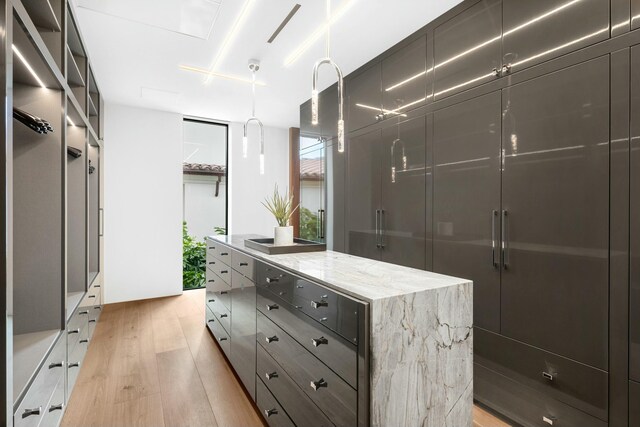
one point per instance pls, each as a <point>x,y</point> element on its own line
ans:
<point>308,224</point>
<point>194,260</point>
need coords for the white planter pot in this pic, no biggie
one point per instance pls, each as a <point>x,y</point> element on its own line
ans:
<point>283,236</point>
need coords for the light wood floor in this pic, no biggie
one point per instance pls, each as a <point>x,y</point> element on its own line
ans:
<point>153,363</point>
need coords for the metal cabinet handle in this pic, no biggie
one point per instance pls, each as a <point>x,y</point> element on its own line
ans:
<point>213,248</point>
<point>211,320</point>
<point>382,228</point>
<point>318,304</point>
<point>322,223</point>
<point>319,341</point>
<point>505,249</point>
<point>494,240</point>
<point>549,420</point>
<point>224,271</point>
<point>96,286</point>
<point>222,316</point>
<point>92,296</point>
<point>224,253</point>
<point>224,292</point>
<point>222,339</point>
<point>73,331</point>
<point>30,412</point>
<point>547,376</point>
<point>244,264</point>
<point>84,341</point>
<point>74,364</point>
<point>377,228</point>
<point>211,300</point>
<point>272,307</point>
<point>83,312</point>
<point>272,279</point>
<point>212,262</point>
<point>211,280</point>
<point>56,365</point>
<point>270,375</point>
<point>496,72</point>
<point>270,412</point>
<point>506,68</point>
<point>272,339</point>
<point>92,320</point>
<point>317,385</point>
<point>57,407</point>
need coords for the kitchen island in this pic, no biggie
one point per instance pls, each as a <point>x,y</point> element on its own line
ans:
<point>326,338</point>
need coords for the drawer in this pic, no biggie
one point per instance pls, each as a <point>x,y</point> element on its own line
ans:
<point>220,335</point>
<point>336,398</point>
<point>94,316</point>
<point>34,404</point>
<point>218,293</point>
<point>336,352</point>
<point>77,327</point>
<point>299,407</point>
<point>55,409</point>
<point>219,251</point>
<point>573,383</point>
<point>223,314</point>
<point>76,359</point>
<point>634,404</point>
<point>92,298</point>
<point>334,311</point>
<point>525,405</point>
<point>221,270</point>
<point>270,409</point>
<point>244,264</point>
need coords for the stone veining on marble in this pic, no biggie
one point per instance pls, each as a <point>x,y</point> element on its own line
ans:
<point>422,358</point>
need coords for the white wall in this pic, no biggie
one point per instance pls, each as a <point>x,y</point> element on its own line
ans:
<point>247,187</point>
<point>202,209</point>
<point>142,203</point>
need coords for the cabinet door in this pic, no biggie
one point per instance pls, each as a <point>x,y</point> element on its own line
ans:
<point>365,100</point>
<point>404,78</point>
<point>335,176</point>
<point>243,331</point>
<point>403,193</point>
<point>363,195</point>
<point>556,198</point>
<point>466,201</point>
<point>634,296</point>
<point>635,14</point>
<point>634,407</point>
<point>312,189</point>
<point>467,48</point>
<point>544,29</point>
<point>328,112</point>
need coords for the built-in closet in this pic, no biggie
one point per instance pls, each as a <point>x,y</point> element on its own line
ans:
<point>51,209</point>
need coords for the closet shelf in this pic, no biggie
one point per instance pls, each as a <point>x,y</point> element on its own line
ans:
<point>43,15</point>
<point>93,111</point>
<point>29,350</point>
<point>74,75</point>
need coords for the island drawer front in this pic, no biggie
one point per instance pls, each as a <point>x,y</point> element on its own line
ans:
<point>244,264</point>
<point>270,408</point>
<point>222,271</point>
<point>42,387</point>
<point>301,410</point>
<point>334,311</point>
<point>218,293</point>
<point>336,398</point>
<point>573,383</point>
<point>525,405</point>
<point>215,282</point>
<point>219,332</point>
<point>336,352</point>
<point>219,251</point>
<point>55,409</point>
<point>223,314</point>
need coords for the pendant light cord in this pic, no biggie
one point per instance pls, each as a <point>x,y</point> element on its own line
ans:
<point>328,28</point>
<point>253,93</point>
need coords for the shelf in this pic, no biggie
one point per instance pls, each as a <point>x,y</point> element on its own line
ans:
<point>93,111</point>
<point>74,73</point>
<point>43,15</point>
<point>29,350</point>
<point>73,299</point>
<point>73,39</point>
<point>30,54</point>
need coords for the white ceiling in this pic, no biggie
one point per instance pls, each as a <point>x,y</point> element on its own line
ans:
<point>136,47</point>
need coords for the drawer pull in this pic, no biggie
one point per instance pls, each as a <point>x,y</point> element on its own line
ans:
<point>212,262</point>
<point>84,341</point>
<point>270,375</point>
<point>92,296</point>
<point>83,312</point>
<point>224,253</point>
<point>244,264</point>
<point>272,307</point>
<point>318,304</point>
<point>213,248</point>
<point>222,316</point>
<point>56,365</point>
<point>34,411</point>
<point>222,339</point>
<point>74,364</point>
<point>224,292</point>
<point>319,341</point>
<point>211,280</point>
<point>317,385</point>
<point>272,339</point>
<point>323,319</point>
<point>211,320</point>
<point>92,320</point>
<point>97,286</point>
<point>272,279</point>
<point>224,271</point>
<point>56,407</point>
<point>74,331</point>
<point>549,420</point>
<point>212,300</point>
<point>548,376</point>
<point>299,287</point>
<point>269,412</point>
<point>281,293</point>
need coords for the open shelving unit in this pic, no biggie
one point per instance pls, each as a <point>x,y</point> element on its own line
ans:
<point>76,64</point>
<point>47,15</point>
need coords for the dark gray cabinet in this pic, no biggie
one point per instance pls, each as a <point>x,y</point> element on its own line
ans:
<point>243,330</point>
<point>466,152</point>
<point>364,95</point>
<point>387,194</point>
<point>462,61</point>
<point>555,197</point>
<point>634,406</point>
<point>634,295</point>
<point>537,31</point>
<point>334,214</point>
<point>635,14</point>
<point>327,127</point>
<point>404,78</point>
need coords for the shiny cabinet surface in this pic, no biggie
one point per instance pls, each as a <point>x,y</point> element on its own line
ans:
<point>634,291</point>
<point>243,330</point>
<point>364,97</point>
<point>555,198</point>
<point>466,174</point>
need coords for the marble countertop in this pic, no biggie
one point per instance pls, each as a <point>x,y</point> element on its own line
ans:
<point>364,279</point>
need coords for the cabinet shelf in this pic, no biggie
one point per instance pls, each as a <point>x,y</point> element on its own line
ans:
<point>29,350</point>
<point>43,15</point>
<point>93,110</point>
<point>74,72</point>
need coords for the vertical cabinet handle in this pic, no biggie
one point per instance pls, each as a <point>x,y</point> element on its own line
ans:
<point>504,247</point>
<point>382,227</point>
<point>30,412</point>
<point>377,228</point>
<point>494,240</point>
<point>101,221</point>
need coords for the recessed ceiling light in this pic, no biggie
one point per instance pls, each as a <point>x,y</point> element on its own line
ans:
<point>220,75</point>
<point>27,65</point>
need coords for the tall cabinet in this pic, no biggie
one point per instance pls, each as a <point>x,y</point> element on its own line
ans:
<point>50,201</point>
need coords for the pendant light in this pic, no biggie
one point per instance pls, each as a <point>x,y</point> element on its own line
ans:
<point>314,85</point>
<point>254,65</point>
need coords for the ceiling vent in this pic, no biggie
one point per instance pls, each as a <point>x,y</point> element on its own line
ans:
<point>283,23</point>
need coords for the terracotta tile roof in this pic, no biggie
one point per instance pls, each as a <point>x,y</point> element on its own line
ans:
<point>311,169</point>
<point>203,169</point>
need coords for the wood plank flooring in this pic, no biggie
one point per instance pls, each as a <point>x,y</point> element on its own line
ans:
<point>153,363</point>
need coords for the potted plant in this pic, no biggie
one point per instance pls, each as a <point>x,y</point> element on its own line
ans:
<point>281,206</point>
